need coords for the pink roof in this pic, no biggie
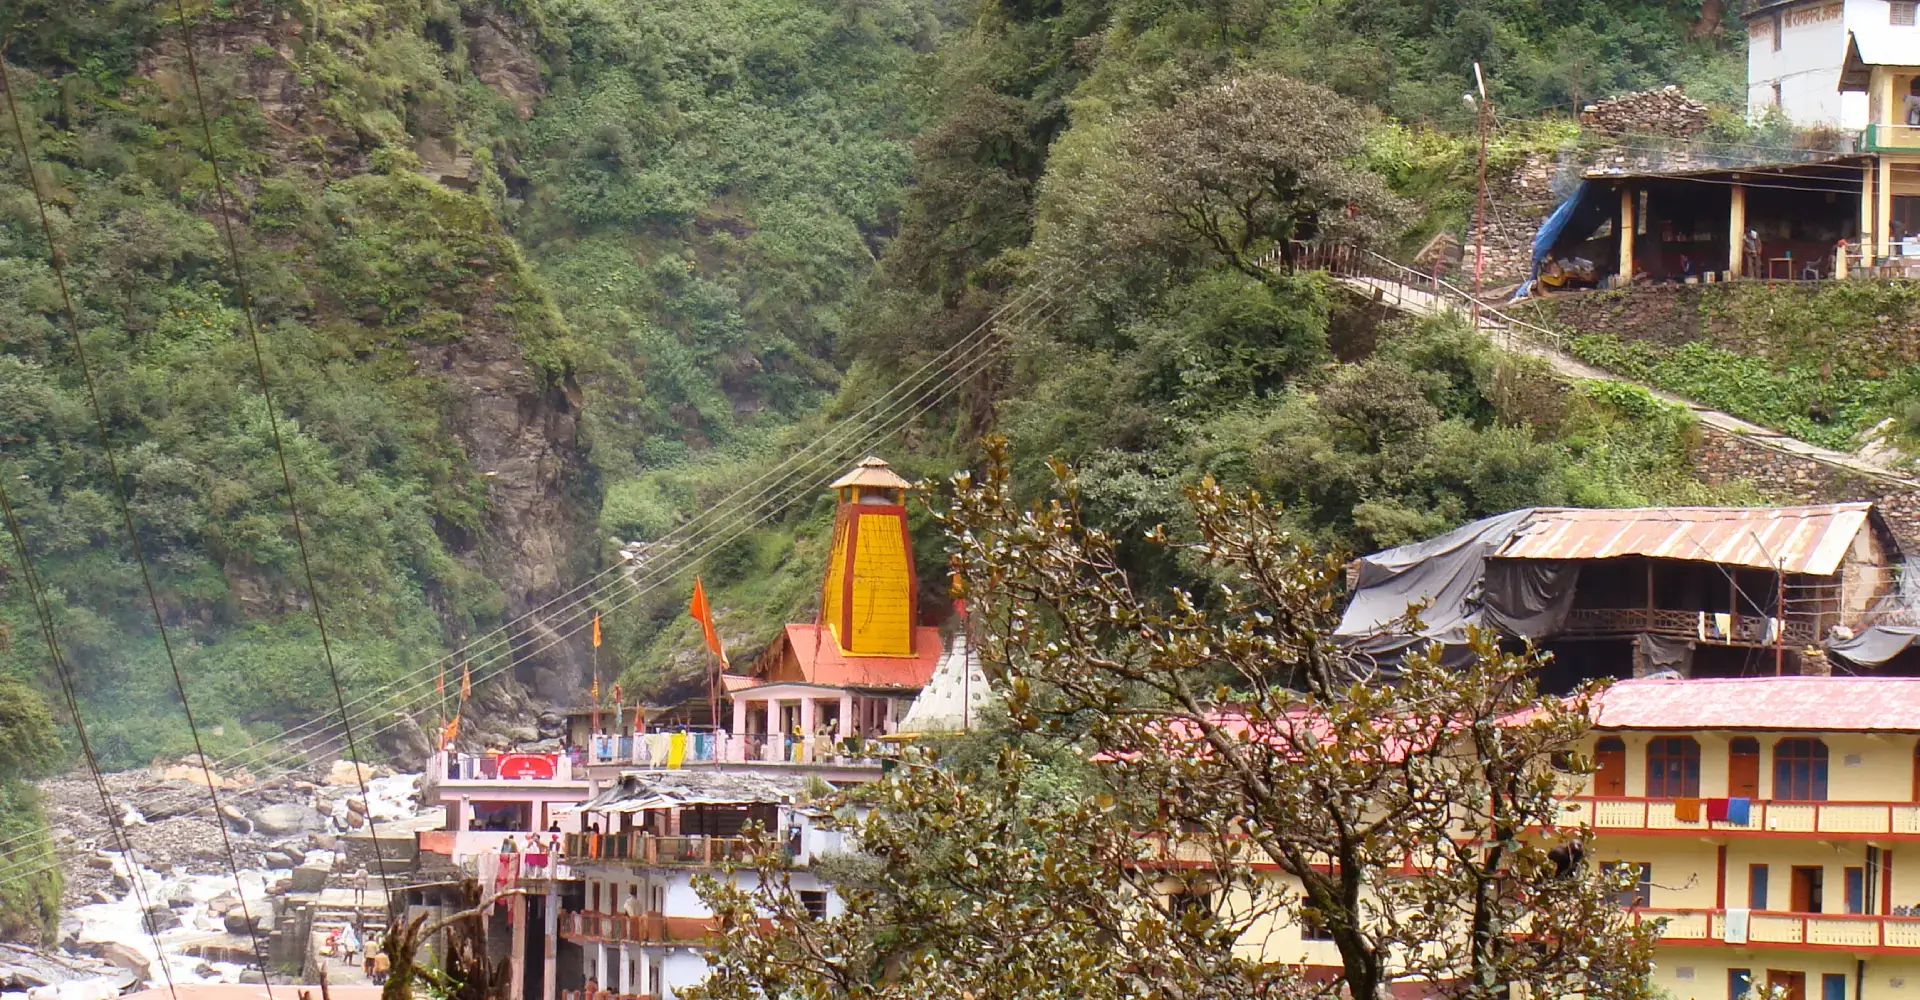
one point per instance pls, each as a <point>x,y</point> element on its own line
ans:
<point>1833,704</point>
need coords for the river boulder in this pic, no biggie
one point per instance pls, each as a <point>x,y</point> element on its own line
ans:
<point>287,818</point>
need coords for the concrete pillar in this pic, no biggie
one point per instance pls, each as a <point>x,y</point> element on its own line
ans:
<point>846,714</point>
<point>1737,230</point>
<point>739,716</point>
<point>809,720</point>
<point>550,946</point>
<point>1883,197</point>
<point>466,813</point>
<point>1626,235</point>
<point>1868,227</point>
<point>517,967</point>
<point>600,963</point>
<point>626,968</point>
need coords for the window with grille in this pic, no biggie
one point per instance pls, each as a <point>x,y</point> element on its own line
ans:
<point>1673,768</point>
<point>1800,770</point>
<point>1900,12</point>
<point>815,900</point>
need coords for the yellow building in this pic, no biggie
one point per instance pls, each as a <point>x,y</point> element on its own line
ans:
<point>1776,825</point>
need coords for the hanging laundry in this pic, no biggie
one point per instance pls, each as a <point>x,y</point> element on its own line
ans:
<point>1716,810</point>
<point>1686,810</point>
<point>676,749</point>
<point>1738,811</point>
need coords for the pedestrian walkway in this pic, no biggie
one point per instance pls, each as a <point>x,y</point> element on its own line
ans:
<point>1406,290</point>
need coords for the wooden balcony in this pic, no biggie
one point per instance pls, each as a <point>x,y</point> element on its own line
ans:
<point>1741,630</point>
<point>1889,820</point>
<point>1850,932</point>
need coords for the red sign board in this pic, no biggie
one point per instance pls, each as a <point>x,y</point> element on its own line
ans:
<point>528,765</point>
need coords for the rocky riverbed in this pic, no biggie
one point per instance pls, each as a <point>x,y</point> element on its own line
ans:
<point>178,877</point>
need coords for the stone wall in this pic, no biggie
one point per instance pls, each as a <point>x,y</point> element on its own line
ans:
<point>1867,327</point>
<point>1721,457</point>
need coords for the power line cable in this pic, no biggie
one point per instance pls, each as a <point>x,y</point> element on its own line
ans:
<point>43,611</point>
<point>979,352</point>
<point>279,450</point>
<point>126,512</point>
<point>933,394</point>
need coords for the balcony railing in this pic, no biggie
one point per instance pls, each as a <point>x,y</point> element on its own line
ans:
<point>680,749</point>
<point>650,928</point>
<point>1743,629</point>
<point>1810,930</point>
<point>1890,138</point>
<point>605,995</point>
<point>1842,818</point>
<point>665,852</point>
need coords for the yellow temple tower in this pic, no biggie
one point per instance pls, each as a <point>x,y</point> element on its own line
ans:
<point>870,595</point>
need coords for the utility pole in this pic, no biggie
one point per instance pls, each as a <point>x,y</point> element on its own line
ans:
<point>1484,112</point>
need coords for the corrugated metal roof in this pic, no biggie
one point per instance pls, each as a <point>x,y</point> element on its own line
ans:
<point>1811,540</point>
<point>872,471</point>
<point>638,791</point>
<point>1830,704</point>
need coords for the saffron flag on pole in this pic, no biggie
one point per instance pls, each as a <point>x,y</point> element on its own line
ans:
<point>596,630</point>
<point>466,681</point>
<point>703,614</point>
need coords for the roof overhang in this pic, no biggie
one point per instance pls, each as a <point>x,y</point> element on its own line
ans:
<point>1863,54</point>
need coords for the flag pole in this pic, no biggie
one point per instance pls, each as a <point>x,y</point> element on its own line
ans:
<point>596,673</point>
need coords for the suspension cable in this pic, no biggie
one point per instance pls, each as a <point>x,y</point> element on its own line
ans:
<point>273,423</point>
<point>126,516</point>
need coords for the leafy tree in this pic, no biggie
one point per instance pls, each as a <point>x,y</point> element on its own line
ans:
<point>1251,166</point>
<point>1411,814</point>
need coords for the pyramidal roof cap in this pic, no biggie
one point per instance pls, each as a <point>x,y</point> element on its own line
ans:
<point>872,471</point>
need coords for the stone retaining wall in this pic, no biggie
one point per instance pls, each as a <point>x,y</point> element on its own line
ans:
<point>1870,327</point>
<point>1722,457</point>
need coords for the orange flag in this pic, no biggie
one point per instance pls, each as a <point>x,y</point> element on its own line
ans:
<point>703,614</point>
<point>451,733</point>
<point>596,630</point>
<point>466,681</point>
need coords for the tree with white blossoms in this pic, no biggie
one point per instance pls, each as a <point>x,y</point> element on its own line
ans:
<point>1250,777</point>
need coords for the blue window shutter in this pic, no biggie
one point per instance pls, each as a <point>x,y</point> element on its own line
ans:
<point>1833,986</point>
<point>1856,891</point>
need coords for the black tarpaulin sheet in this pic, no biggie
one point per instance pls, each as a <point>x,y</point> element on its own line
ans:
<point>1529,598</point>
<point>1875,645</point>
<point>1461,585</point>
<point>1665,653</point>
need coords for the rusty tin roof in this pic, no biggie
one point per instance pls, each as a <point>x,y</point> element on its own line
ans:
<point>1812,540</point>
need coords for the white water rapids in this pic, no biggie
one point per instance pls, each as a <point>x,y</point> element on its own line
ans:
<point>120,924</point>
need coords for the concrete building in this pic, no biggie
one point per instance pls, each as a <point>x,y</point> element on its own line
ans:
<point>642,928</point>
<point>1796,49</point>
<point>1775,823</point>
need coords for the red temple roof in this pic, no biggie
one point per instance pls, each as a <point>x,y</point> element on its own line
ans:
<point>808,654</point>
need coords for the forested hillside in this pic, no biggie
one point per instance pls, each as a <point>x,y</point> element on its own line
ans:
<point>532,275</point>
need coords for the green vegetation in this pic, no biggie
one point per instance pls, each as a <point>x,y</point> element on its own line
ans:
<point>704,231</point>
<point>1806,397</point>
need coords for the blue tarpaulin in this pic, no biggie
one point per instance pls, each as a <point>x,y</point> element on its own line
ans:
<point>1581,213</point>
